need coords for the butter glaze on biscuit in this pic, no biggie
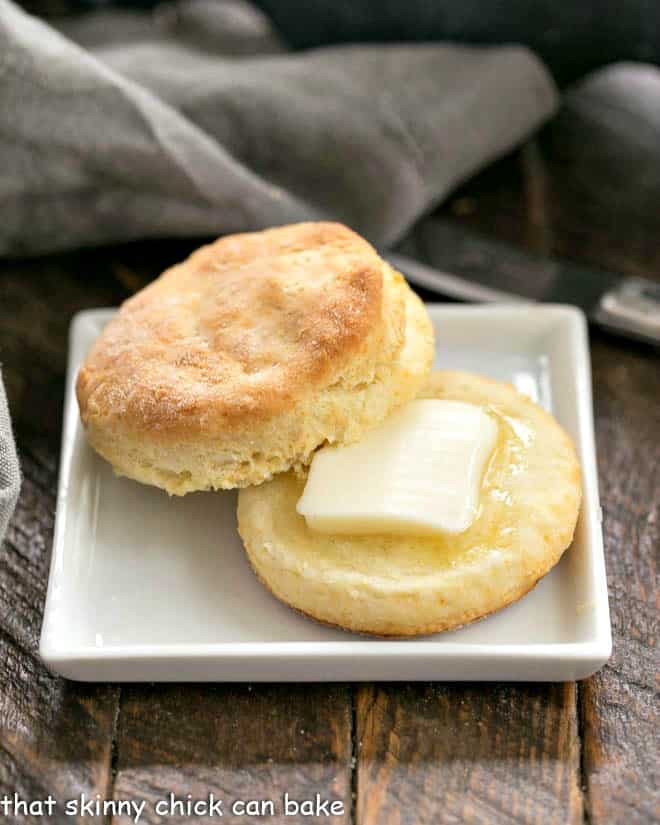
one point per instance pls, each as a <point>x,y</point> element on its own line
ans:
<point>239,362</point>
<point>404,585</point>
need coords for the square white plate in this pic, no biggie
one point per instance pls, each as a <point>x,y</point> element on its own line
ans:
<point>144,587</point>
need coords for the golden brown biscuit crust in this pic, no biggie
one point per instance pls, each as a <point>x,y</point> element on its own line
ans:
<point>216,375</point>
<point>236,330</point>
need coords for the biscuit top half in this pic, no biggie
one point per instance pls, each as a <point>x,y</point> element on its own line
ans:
<point>238,330</point>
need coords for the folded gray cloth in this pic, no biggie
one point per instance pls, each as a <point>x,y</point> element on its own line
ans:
<point>194,121</point>
<point>10,478</point>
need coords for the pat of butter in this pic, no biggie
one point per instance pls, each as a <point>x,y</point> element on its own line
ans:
<point>419,473</point>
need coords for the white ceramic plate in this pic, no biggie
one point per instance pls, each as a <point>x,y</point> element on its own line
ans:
<point>144,587</point>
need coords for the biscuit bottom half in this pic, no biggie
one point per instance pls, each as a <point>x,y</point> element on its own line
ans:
<point>405,586</point>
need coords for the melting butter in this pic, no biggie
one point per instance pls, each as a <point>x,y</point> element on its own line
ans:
<point>419,473</point>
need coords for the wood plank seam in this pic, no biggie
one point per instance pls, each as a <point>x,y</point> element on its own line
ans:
<point>355,745</point>
<point>582,777</point>
<point>114,752</point>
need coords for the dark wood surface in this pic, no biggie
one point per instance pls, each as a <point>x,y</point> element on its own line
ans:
<point>394,753</point>
<point>474,753</point>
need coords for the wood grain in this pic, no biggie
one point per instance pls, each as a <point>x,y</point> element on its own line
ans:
<point>619,706</point>
<point>243,742</point>
<point>55,736</point>
<point>603,207</point>
<point>468,753</point>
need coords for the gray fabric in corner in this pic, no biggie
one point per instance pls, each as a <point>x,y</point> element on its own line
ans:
<point>195,121</point>
<point>10,477</point>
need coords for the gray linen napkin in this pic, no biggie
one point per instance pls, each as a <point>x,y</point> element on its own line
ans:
<point>179,130</point>
<point>195,120</point>
<point>10,478</point>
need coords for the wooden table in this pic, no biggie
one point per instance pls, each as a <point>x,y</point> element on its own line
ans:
<point>394,753</point>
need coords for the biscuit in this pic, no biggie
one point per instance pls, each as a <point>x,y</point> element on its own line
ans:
<point>239,362</point>
<point>404,586</point>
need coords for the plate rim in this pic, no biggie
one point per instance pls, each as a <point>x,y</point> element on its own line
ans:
<point>592,652</point>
